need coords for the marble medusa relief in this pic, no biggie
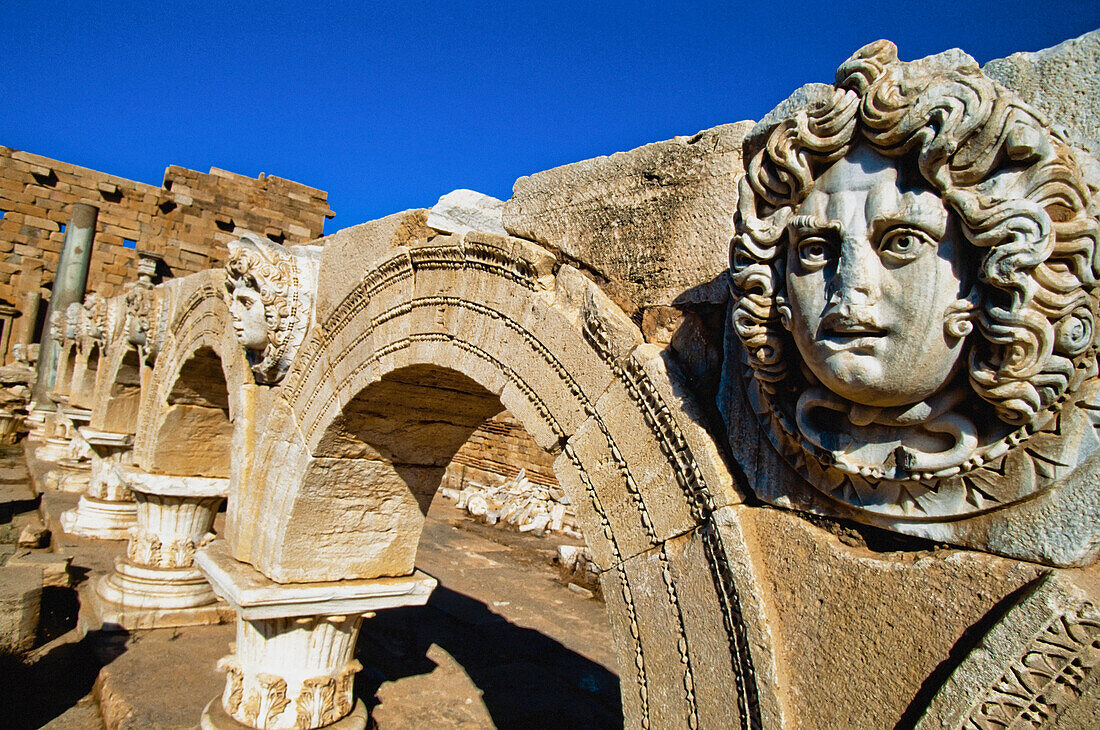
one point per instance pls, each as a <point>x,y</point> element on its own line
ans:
<point>271,290</point>
<point>914,292</point>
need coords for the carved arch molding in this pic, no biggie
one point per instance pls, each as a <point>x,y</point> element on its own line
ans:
<point>491,311</point>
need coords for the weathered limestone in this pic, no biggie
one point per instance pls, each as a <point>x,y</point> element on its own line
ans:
<point>924,403</point>
<point>1035,667</point>
<point>20,597</point>
<point>460,211</point>
<point>157,584</point>
<point>910,345</point>
<point>435,334</point>
<point>651,224</point>
<point>107,509</point>
<point>878,625</point>
<point>1061,82</point>
<point>189,219</point>
<point>293,665</point>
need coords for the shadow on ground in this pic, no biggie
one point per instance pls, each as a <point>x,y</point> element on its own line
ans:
<point>527,680</point>
<point>33,694</point>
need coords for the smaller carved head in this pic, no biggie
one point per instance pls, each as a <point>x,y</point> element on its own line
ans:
<point>95,316</point>
<point>74,315</point>
<point>270,290</point>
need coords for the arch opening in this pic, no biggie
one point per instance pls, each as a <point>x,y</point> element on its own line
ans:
<point>124,395</point>
<point>195,432</point>
<point>84,379</point>
<point>414,419</point>
<point>408,428</point>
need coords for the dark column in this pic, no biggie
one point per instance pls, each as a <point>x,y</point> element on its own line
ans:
<point>68,287</point>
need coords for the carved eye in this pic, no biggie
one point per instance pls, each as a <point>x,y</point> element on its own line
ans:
<point>904,244</point>
<point>813,252</point>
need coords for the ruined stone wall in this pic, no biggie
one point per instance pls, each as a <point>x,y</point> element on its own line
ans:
<point>188,220</point>
<point>496,452</point>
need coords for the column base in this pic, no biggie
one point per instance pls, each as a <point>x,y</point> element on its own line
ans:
<point>70,475</point>
<point>214,717</point>
<point>141,597</point>
<point>54,449</point>
<point>100,518</point>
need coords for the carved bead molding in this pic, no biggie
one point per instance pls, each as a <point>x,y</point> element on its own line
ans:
<point>1033,669</point>
<point>914,293</point>
<point>291,672</point>
<point>271,289</point>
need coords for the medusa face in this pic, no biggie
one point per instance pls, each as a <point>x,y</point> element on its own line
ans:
<point>873,271</point>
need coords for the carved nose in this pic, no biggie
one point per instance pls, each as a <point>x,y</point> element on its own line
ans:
<point>857,275</point>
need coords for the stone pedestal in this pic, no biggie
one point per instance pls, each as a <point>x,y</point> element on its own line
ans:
<point>74,466</point>
<point>107,510</point>
<point>56,431</point>
<point>36,423</point>
<point>294,664</point>
<point>157,584</point>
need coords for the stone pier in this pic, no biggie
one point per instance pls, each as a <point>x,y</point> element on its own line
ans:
<point>157,584</point>
<point>293,665</point>
<point>107,510</point>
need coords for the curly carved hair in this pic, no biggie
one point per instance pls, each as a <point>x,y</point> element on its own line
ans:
<point>1018,190</point>
<point>256,264</point>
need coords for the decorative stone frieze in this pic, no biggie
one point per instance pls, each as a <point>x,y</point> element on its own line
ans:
<point>157,584</point>
<point>107,509</point>
<point>293,665</point>
<point>1036,667</point>
<point>74,321</point>
<point>271,288</point>
<point>914,302</point>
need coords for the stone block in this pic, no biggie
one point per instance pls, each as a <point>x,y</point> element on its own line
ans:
<point>54,567</point>
<point>1061,81</point>
<point>1038,661</point>
<point>466,210</point>
<point>881,625</point>
<point>205,451</point>
<point>623,505</point>
<point>349,253</point>
<point>644,465</point>
<point>654,222</point>
<point>20,598</point>
<point>691,428</point>
<point>351,518</point>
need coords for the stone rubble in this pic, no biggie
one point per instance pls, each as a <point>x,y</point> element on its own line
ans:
<point>519,503</point>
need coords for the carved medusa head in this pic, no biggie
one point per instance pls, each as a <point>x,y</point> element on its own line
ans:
<point>270,289</point>
<point>914,283</point>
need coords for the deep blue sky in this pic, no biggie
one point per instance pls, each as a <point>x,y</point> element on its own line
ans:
<point>389,105</point>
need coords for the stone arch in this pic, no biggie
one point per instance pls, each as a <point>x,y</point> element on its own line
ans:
<point>193,395</point>
<point>437,337</point>
<point>117,401</point>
